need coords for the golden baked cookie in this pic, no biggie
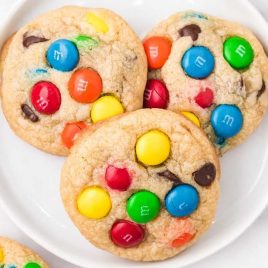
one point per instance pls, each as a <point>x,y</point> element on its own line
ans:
<point>143,186</point>
<point>68,69</point>
<point>213,69</point>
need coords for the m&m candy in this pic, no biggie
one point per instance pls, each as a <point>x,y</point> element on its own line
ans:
<point>182,200</point>
<point>226,120</point>
<point>204,98</point>
<point>157,49</point>
<point>238,52</point>
<point>195,15</point>
<point>32,265</point>
<point>85,42</point>
<point>155,95</point>
<point>192,117</point>
<point>153,148</point>
<point>105,107</point>
<point>117,178</point>
<point>198,62</point>
<point>63,55</point>
<point>97,22</point>
<point>127,234</point>
<point>143,206</point>
<point>94,202</point>
<point>46,97</point>
<point>2,256</point>
<point>85,85</point>
<point>70,133</point>
<point>182,240</point>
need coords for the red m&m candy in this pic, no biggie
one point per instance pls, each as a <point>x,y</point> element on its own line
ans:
<point>155,95</point>
<point>157,49</point>
<point>127,234</point>
<point>117,178</point>
<point>205,98</point>
<point>85,85</point>
<point>71,132</point>
<point>46,97</point>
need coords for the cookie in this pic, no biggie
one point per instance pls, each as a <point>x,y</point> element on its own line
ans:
<point>3,54</point>
<point>214,70</point>
<point>143,186</point>
<point>14,255</point>
<point>69,69</point>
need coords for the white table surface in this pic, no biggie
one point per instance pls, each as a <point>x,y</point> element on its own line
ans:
<point>250,250</point>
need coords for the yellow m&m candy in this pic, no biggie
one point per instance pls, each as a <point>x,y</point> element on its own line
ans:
<point>105,107</point>
<point>1,256</point>
<point>192,117</point>
<point>153,148</point>
<point>98,23</point>
<point>94,202</point>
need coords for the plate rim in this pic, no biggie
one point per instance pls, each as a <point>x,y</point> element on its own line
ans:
<point>41,241</point>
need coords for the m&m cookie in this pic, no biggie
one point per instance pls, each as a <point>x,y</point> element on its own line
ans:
<point>143,186</point>
<point>68,69</point>
<point>213,71</point>
<point>15,255</point>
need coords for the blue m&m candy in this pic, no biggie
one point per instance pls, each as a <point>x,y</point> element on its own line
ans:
<point>226,120</point>
<point>198,62</point>
<point>182,200</point>
<point>63,55</point>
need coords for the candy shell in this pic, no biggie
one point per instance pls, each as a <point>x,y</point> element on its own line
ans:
<point>238,52</point>
<point>63,55</point>
<point>106,107</point>
<point>155,95</point>
<point>226,120</point>
<point>46,97</point>
<point>153,148</point>
<point>143,206</point>
<point>85,85</point>
<point>94,202</point>
<point>32,265</point>
<point>182,200</point>
<point>127,234</point>
<point>157,49</point>
<point>70,133</point>
<point>198,62</point>
<point>117,178</point>
<point>192,117</point>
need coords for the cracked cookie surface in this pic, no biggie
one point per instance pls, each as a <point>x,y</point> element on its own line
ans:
<point>84,59</point>
<point>204,62</point>
<point>143,186</point>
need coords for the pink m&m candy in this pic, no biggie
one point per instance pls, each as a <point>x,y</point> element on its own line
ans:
<point>117,178</point>
<point>205,98</point>
<point>46,97</point>
<point>127,234</point>
<point>155,95</point>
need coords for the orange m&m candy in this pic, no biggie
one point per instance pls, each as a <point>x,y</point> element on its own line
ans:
<point>71,132</point>
<point>182,240</point>
<point>85,85</point>
<point>157,49</point>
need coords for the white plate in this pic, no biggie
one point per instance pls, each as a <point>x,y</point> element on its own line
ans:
<point>29,184</point>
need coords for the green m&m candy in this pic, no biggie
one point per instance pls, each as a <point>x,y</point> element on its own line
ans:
<point>238,52</point>
<point>143,206</point>
<point>32,265</point>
